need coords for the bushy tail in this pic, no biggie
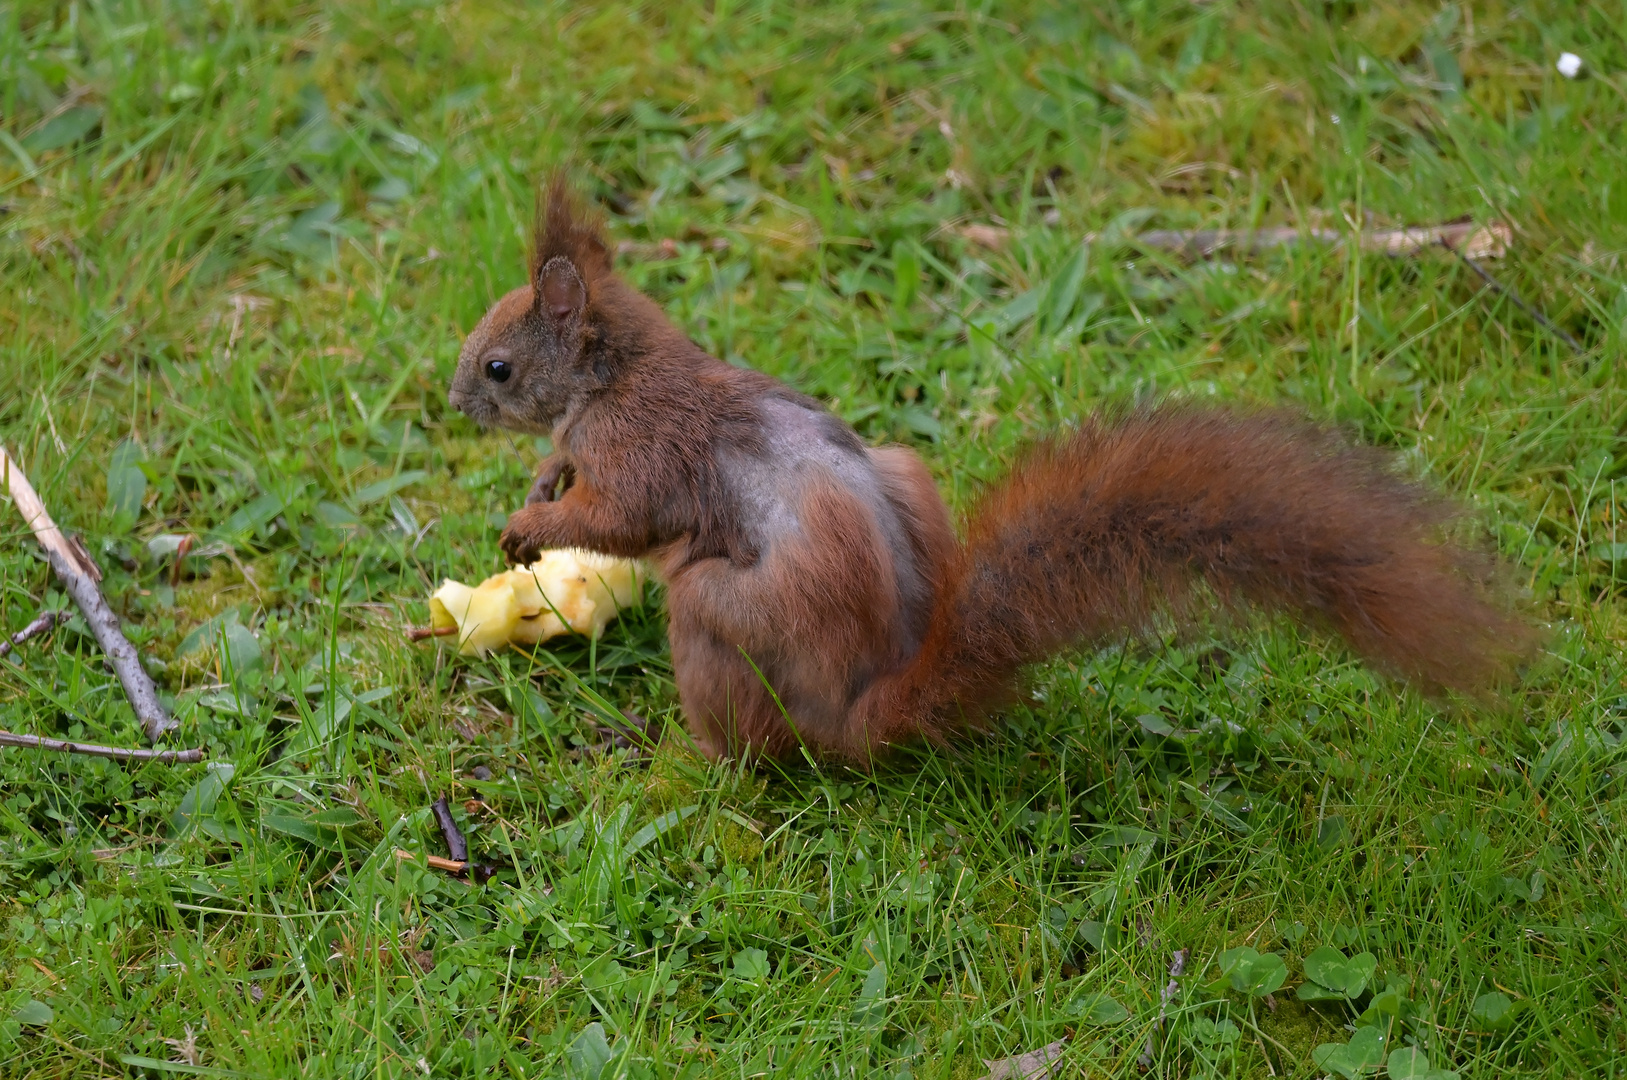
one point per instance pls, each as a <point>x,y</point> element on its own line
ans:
<point>1093,534</point>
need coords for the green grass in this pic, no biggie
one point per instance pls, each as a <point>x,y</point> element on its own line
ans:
<point>238,248</point>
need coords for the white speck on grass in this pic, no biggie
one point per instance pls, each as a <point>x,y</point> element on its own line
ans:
<point>1569,65</point>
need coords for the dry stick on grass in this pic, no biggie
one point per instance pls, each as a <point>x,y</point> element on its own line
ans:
<point>456,845</point>
<point>459,864</point>
<point>472,872</point>
<point>1498,287</point>
<point>435,862</point>
<point>117,753</point>
<point>420,633</point>
<point>43,622</point>
<point>1464,237</point>
<point>79,576</point>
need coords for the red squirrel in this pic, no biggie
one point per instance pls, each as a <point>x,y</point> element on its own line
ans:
<point>818,595</point>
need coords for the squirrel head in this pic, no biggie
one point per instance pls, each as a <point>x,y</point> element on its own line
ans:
<point>533,354</point>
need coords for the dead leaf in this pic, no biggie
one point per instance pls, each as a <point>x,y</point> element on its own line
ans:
<point>1034,1065</point>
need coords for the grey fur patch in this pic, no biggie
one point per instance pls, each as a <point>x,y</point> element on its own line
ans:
<point>801,445</point>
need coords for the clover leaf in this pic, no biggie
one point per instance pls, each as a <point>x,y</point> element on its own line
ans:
<point>1363,1054</point>
<point>1411,1063</point>
<point>1253,973</point>
<point>1335,976</point>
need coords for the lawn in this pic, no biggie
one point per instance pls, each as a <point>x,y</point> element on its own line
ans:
<point>239,246</point>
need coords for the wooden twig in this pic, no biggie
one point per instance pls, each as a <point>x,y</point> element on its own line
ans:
<point>1476,241</point>
<point>1464,237</point>
<point>78,578</point>
<point>479,873</point>
<point>451,866</point>
<point>1498,287</point>
<point>42,623</point>
<point>117,753</point>
<point>456,845</point>
<point>79,575</point>
<point>420,633</point>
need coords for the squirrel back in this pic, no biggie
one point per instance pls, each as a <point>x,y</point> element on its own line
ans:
<point>817,594</point>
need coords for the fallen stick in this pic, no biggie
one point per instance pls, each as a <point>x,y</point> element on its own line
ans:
<point>1498,287</point>
<point>117,753</point>
<point>79,576</point>
<point>456,845</point>
<point>1464,237</point>
<point>421,633</point>
<point>479,873</point>
<point>451,866</point>
<point>459,864</point>
<point>42,623</point>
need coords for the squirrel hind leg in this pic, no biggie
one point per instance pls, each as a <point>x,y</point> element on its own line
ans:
<point>732,715</point>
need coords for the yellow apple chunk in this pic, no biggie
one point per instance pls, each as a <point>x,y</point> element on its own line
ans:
<point>562,590</point>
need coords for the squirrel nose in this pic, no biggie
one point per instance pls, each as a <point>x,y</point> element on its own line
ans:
<point>462,396</point>
<point>472,403</point>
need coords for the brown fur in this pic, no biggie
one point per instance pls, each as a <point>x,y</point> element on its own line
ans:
<point>1094,533</point>
<point>567,229</point>
<point>817,593</point>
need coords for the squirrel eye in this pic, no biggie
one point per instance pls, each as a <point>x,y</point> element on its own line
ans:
<point>498,370</point>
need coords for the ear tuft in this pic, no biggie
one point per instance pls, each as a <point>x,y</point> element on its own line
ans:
<point>568,236</point>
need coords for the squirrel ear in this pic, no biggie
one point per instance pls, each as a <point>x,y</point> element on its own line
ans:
<point>561,293</point>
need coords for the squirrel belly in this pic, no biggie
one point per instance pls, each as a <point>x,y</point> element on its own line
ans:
<point>818,596</point>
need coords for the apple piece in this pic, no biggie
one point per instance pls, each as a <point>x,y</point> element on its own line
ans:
<point>484,615</point>
<point>562,590</point>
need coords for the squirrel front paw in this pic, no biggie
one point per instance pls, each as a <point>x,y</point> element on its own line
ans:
<point>519,541</point>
